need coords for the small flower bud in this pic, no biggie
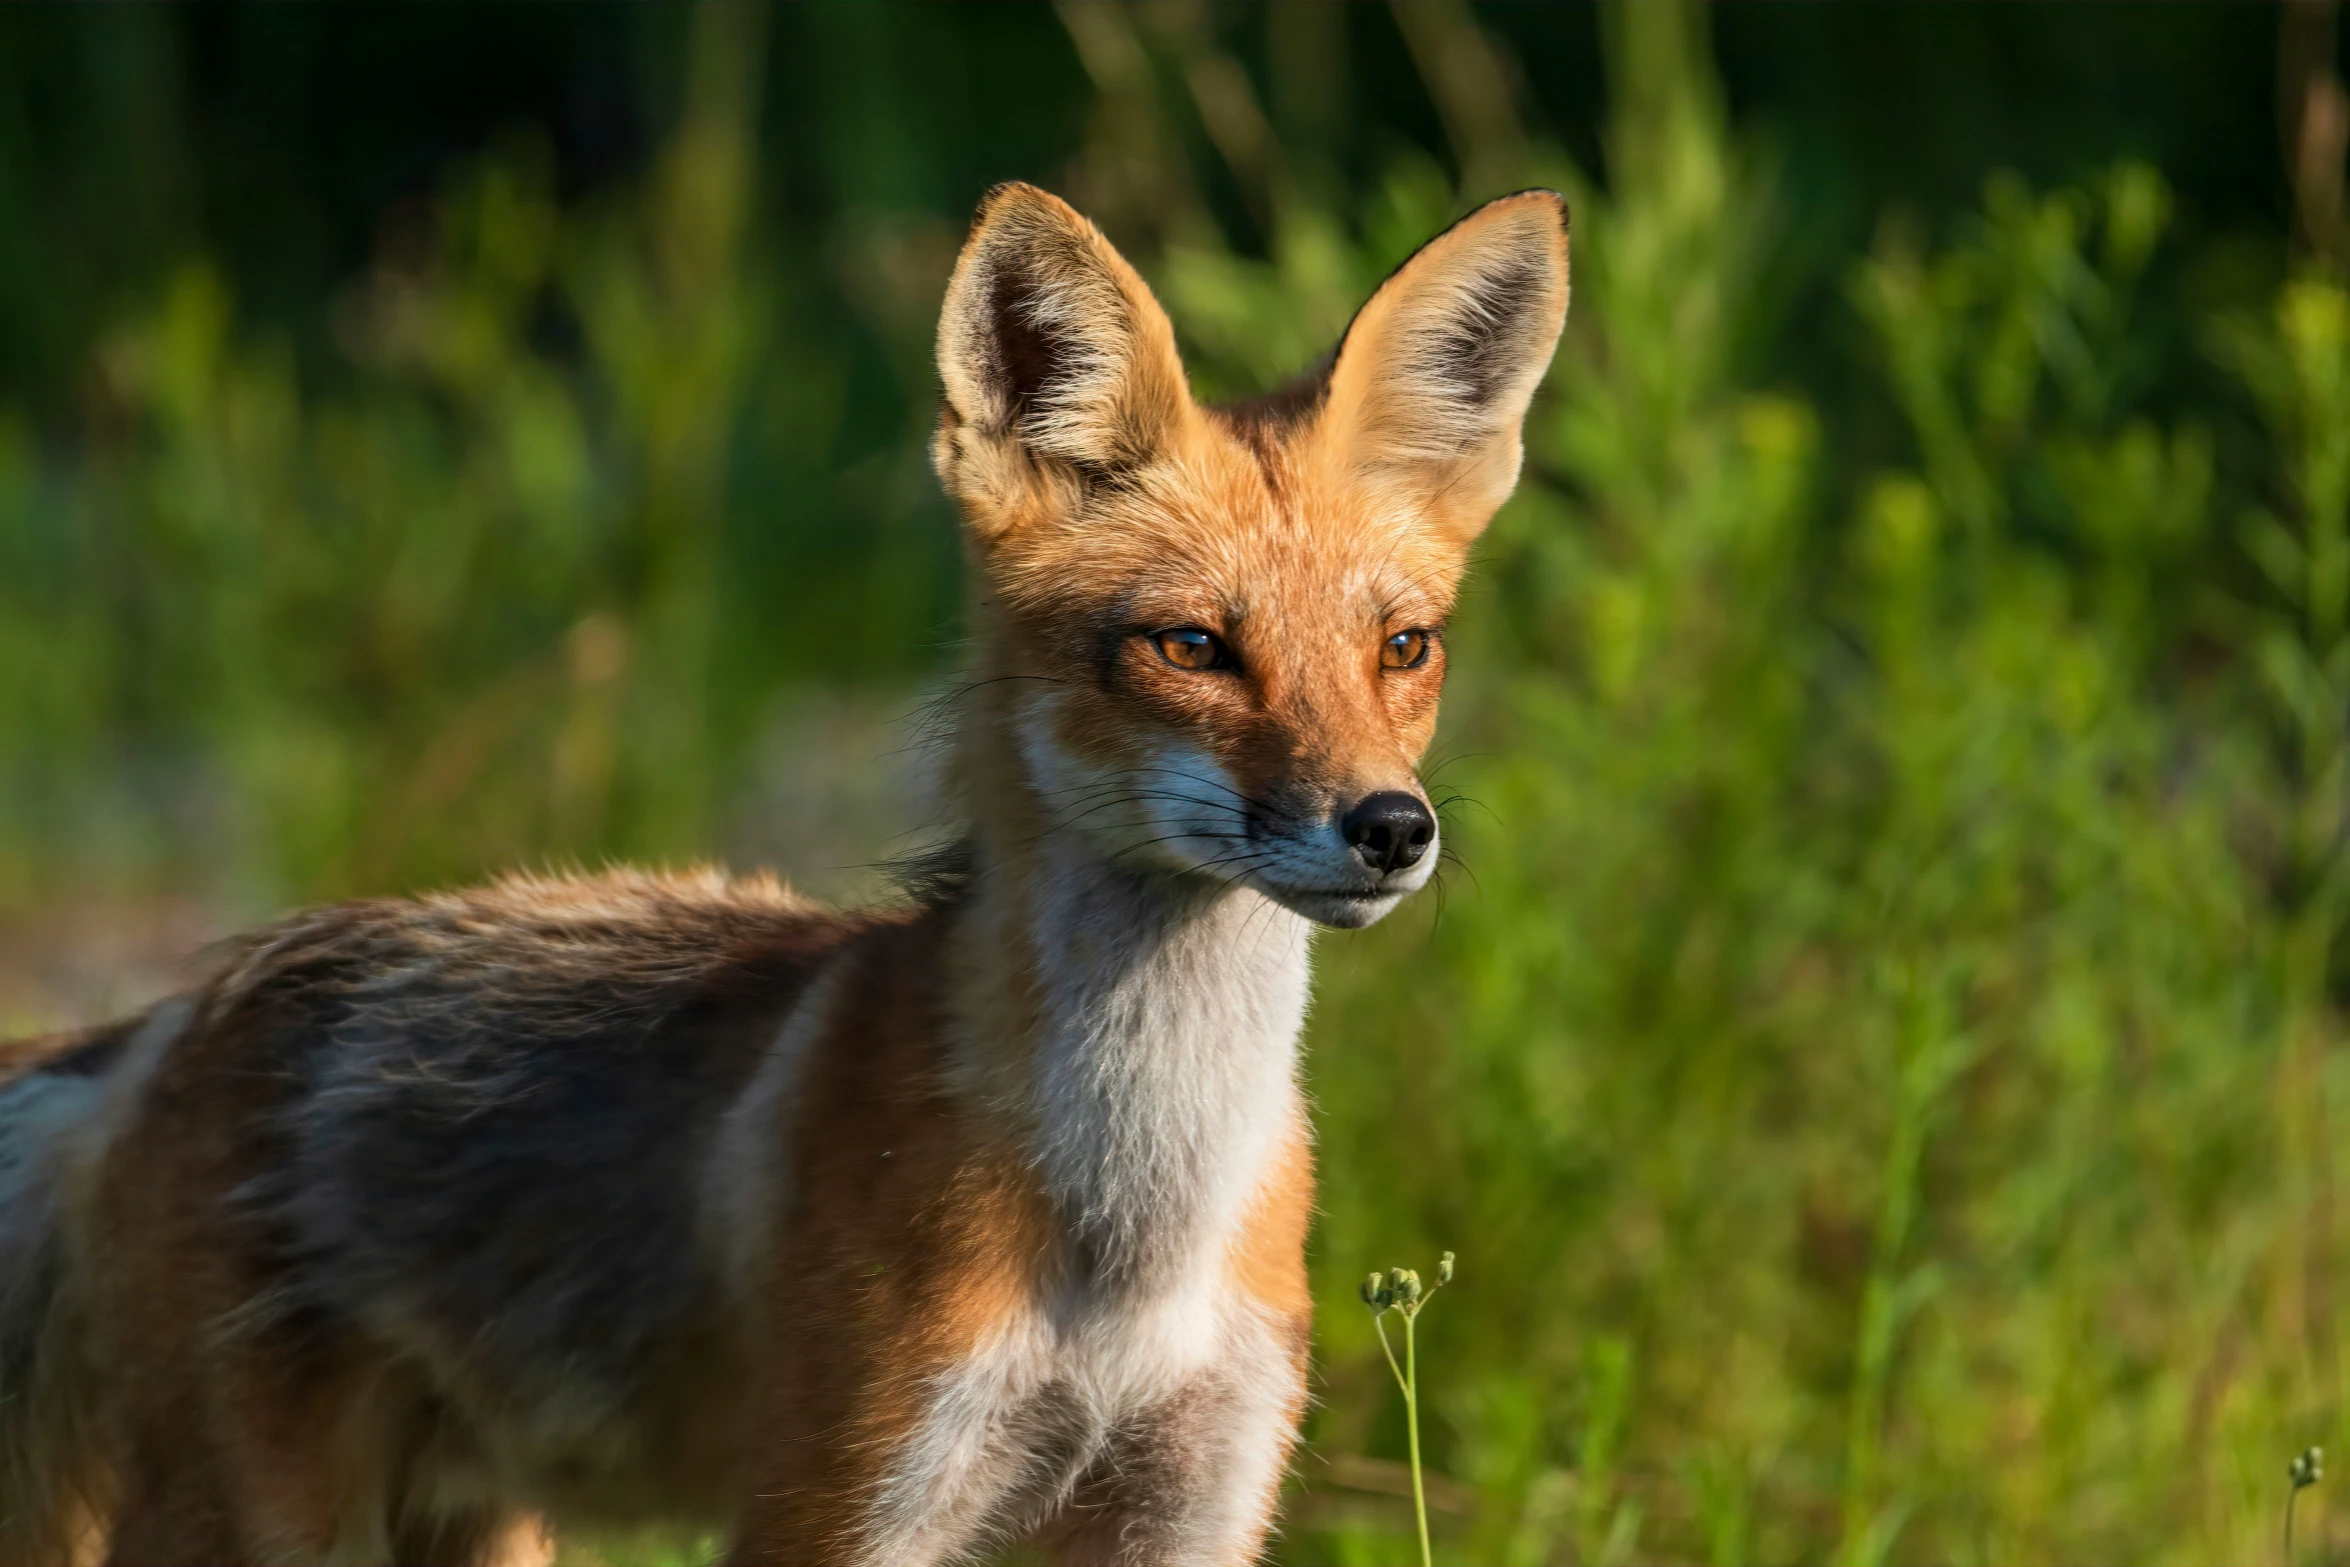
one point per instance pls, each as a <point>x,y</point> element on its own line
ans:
<point>1444,1269</point>
<point>1369,1290</point>
<point>1407,1286</point>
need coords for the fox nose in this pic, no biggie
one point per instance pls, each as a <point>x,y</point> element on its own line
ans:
<point>1390,829</point>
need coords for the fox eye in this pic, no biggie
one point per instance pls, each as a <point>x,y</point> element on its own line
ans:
<point>1188,647</point>
<point>1405,650</point>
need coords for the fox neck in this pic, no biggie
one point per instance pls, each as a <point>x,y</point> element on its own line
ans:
<point>1142,1026</point>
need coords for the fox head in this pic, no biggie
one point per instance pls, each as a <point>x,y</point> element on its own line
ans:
<point>1214,636</point>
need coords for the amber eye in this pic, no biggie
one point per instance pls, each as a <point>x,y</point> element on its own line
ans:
<point>1188,647</point>
<point>1404,650</point>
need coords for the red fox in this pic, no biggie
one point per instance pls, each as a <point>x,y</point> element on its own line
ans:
<point>424,1227</point>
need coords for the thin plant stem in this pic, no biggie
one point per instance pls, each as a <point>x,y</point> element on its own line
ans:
<point>2303,1472</point>
<point>1411,1410</point>
<point>1379,1325</point>
<point>1399,1290</point>
<point>1407,1378</point>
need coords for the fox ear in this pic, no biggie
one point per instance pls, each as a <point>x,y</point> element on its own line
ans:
<point>1433,378</point>
<point>1052,351</point>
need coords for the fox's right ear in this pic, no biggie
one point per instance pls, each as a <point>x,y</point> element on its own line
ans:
<point>1058,363</point>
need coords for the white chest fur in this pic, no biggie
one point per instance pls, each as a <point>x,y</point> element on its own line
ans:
<point>1163,1070</point>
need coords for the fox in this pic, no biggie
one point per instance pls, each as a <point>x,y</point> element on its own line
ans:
<point>431,1230</point>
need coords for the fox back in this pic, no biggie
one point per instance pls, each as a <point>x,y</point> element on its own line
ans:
<point>423,1227</point>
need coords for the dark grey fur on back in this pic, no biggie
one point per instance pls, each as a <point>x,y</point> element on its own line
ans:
<point>502,1099</point>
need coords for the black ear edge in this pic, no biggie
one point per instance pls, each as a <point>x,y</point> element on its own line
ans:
<point>1269,414</point>
<point>1566,231</point>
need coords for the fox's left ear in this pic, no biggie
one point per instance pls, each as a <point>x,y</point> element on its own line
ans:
<point>1433,379</point>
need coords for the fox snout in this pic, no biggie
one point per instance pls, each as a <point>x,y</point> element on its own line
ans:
<point>1338,854</point>
<point>1352,866</point>
<point>1349,866</point>
<point>1389,831</point>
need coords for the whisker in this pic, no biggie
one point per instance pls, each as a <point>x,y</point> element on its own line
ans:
<point>1171,838</point>
<point>1447,802</point>
<point>1447,855</point>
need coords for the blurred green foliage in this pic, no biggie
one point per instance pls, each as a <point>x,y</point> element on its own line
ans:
<point>484,593</point>
<point>1875,1055</point>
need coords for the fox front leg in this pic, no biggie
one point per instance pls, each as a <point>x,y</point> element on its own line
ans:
<point>1193,1481</point>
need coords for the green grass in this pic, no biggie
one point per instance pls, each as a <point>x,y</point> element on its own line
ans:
<point>1881,1037</point>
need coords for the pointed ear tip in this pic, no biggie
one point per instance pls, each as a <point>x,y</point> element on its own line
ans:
<point>1008,190</point>
<point>1006,196</point>
<point>1537,197</point>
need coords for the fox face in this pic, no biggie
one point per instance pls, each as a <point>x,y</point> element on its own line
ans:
<point>1216,635</point>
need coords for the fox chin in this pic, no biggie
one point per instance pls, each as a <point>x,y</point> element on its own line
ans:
<point>424,1229</point>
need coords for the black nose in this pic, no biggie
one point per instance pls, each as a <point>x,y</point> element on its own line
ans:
<point>1390,829</point>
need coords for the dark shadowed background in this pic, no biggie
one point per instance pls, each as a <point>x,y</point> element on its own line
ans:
<point>1875,1055</point>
